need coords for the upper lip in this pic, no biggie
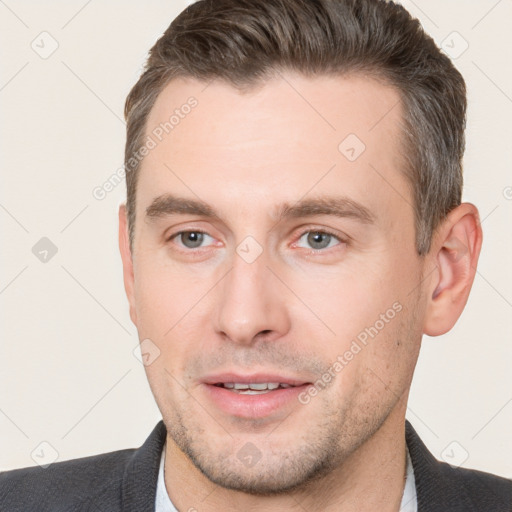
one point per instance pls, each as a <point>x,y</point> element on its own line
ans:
<point>256,378</point>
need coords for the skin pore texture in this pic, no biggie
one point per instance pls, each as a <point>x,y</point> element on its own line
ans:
<point>300,305</point>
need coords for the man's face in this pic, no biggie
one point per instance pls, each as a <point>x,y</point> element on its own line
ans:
<point>296,298</point>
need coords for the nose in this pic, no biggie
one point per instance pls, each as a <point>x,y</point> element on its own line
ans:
<point>250,304</point>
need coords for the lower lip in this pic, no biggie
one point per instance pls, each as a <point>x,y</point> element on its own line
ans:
<point>253,406</point>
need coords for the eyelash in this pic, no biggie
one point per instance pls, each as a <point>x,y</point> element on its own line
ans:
<point>309,230</point>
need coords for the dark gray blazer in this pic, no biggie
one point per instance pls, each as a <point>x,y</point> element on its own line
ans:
<point>125,481</point>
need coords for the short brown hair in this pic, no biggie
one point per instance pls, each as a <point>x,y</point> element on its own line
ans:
<point>243,42</point>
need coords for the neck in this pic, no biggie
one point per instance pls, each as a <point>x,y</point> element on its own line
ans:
<point>371,478</point>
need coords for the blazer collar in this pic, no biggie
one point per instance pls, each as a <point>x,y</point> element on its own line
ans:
<point>138,490</point>
<point>437,486</point>
<point>437,489</point>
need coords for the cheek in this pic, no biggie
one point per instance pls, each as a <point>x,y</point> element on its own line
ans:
<point>378,366</point>
<point>154,308</point>
<point>163,295</point>
<point>350,300</point>
<point>366,311</point>
<point>171,314</point>
<point>395,349</point>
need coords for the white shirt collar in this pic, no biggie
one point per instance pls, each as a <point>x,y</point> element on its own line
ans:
<point>409,500</point>
<point>162,501</point>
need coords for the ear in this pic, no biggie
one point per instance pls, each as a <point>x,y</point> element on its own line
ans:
<point>126,256</point>
<point>454,252</point>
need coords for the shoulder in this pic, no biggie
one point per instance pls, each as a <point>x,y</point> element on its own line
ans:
<point>68,485</point>
<point>122,480</point>
<point>484,490</point>
<point>441,487</point>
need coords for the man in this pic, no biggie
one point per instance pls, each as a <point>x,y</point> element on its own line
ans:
<point>293,227</point>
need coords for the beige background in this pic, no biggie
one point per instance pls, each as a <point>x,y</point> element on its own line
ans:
<point>68,374</point>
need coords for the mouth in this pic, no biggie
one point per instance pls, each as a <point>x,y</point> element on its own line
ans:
<point>254,396</point>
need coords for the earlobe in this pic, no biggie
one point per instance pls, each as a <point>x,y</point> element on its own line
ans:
<point>455,251</point>
<point>126,256</point>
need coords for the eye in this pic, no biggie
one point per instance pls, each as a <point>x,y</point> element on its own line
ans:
<point>190,239</point>
<point>319,239</point>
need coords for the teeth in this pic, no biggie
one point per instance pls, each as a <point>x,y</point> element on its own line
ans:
<point>258,387</point>
<point>263,386</point>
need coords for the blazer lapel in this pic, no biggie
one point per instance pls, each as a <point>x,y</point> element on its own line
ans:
<point>140,477</point>
<point>437,487</point>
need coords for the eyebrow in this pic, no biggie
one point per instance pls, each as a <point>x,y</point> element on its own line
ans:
<point>336,206</point>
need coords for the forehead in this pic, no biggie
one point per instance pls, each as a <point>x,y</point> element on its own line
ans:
<point>328,106</point>
<point>278,139</point>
